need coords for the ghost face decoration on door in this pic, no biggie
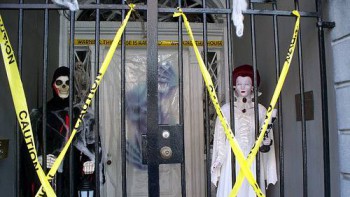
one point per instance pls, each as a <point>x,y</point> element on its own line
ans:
<point>61,86</point>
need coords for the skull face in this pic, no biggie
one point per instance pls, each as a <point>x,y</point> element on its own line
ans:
<point>61,87</point>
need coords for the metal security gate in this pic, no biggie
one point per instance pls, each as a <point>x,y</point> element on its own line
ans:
<point>163,143</point>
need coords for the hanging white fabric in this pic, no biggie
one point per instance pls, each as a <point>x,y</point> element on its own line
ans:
<point>238,7</point>
<point>72,5</point>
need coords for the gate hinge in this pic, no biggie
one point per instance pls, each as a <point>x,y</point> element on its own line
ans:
<point>326,24</point>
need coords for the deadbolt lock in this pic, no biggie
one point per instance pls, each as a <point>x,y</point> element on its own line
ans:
<point>166,152</point>
<point>165,146</point>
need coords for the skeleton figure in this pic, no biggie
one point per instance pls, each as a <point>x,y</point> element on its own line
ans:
<point>221,169</point>
<point>82,78</point>
<point>136,110</point>
<point>61,87</point>
<point>57,134</point>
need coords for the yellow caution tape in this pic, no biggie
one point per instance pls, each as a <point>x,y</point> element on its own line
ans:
<point>208,82</point>
<point>92,92</point>
<point>138,43</point>
<point>273,102</point>
<point>20,104</point>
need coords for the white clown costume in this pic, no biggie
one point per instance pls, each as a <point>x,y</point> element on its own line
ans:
<point>221,176</point>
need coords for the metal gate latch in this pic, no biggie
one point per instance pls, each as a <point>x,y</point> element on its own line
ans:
<point>166,152</point>
<point>166,147</point>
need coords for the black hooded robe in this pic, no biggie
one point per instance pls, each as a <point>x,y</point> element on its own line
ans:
<point>57,133</point>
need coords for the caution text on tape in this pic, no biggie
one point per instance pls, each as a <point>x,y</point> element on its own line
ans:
<point>20,104</point>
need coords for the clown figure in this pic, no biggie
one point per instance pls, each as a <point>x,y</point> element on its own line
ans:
<point>221,169</point>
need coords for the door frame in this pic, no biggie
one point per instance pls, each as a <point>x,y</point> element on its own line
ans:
<point>195,164</point>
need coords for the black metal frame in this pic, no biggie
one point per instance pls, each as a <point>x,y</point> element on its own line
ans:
<point>152,95</point>
<point>152,51</point>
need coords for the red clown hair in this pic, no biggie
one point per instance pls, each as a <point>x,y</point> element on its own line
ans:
<point>245,70</point>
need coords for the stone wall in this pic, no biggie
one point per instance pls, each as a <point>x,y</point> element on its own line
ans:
<point>339,48</point>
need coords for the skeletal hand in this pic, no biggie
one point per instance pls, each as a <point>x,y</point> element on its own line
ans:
<point>89,167</point>
<point>216,165</point>
<point>267,141</point>
<point>50,160</point>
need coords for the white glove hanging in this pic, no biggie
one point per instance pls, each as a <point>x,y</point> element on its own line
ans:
<point>238,7</point>
<point>71,4</point>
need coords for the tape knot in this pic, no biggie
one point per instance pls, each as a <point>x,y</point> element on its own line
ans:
<point>131,6</point>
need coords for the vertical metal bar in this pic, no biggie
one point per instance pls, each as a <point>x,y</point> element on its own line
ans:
<point>96,103</point>
<point>207,117</point>
<point>231,90</point>
<point>152,97</point>
<point>303,121</point>
<point>71,96</point>
<point>44,88</point>
<point>255,82</point>
<point>324,100</point>
<point>123,124</point>
<point>18,132</point>
<point>181,102</point>
<point>279,104</point>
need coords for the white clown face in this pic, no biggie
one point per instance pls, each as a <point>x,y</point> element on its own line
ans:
<point>244,86</point>
<point>61,86</point>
